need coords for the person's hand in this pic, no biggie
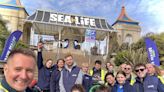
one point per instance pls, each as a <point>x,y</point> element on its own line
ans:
<point>40,46</point>
<point>97,78</point>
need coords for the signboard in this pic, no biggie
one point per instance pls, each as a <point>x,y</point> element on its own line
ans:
<point>90,35</point>
<point>70,20</point>
<point>78,20</point>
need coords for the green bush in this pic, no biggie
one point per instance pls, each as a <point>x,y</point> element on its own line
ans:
<point>132,57</point>
<point>119,59</point>
<point>20,44</point>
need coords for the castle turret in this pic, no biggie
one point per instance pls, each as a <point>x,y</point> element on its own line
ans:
<point>128,29</point>
<point>13,13</point>
<point>15,3</point>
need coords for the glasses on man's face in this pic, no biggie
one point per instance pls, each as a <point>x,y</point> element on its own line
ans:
<point>127,68</point>
<point>137,70</point>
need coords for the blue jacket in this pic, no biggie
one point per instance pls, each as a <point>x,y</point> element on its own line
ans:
<point>138,85</point>
<point>153,84</point>
<point>126,88</point>
<point>44,74</point>
<point>54,82</point>
<point>69,78</point>
<point>87,82</point>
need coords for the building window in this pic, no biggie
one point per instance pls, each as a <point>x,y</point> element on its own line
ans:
<point>128,39</point>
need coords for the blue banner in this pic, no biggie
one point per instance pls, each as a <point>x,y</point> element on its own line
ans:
<point>10,43</point>
<point>90,35</point>
<point>152,51</point>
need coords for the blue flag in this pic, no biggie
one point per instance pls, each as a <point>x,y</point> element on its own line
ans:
<point>10,43</point>
<point>152,51</point>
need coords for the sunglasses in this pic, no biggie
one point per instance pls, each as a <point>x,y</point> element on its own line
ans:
<point>127,68</point>
<point>139,70</point>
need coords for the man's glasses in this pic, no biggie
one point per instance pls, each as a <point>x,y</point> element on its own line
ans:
<point>137,70</point>
<point>127,68</point>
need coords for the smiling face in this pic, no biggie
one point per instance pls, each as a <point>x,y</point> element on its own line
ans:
<point>69,61</point>
<point>108,64</point>
<point>19,71</point>
<point>141,71</point>
<point>128,69</point>
<point>150,69</point>
<point>121,78</point>
<point>60,63</point>
<point>49,63</point>
<point>85,67</point>
<point>98,66</point>
<point>110,79</point>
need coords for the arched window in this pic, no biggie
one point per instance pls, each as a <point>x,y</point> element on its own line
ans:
<point>128,39</point>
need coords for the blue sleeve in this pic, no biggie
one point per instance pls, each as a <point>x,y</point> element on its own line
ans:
<point>160,86</point>
<point>39,60</point>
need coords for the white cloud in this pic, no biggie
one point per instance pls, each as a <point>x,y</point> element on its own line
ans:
<point>154,10</point>
<point>157,11</point>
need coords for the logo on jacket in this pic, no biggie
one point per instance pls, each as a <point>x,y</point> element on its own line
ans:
<point>87,78</point>
<point>74,75</point>
<point>150,86</point>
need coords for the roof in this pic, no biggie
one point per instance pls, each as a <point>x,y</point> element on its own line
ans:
<point>49,22</point>
<point>123,18</point>
<point>50,17</point>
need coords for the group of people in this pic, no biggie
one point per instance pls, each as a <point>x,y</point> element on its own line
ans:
<point>66,76</point>
<point>140,78</point>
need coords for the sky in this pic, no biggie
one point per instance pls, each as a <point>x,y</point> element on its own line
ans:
<point>149,13</point>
